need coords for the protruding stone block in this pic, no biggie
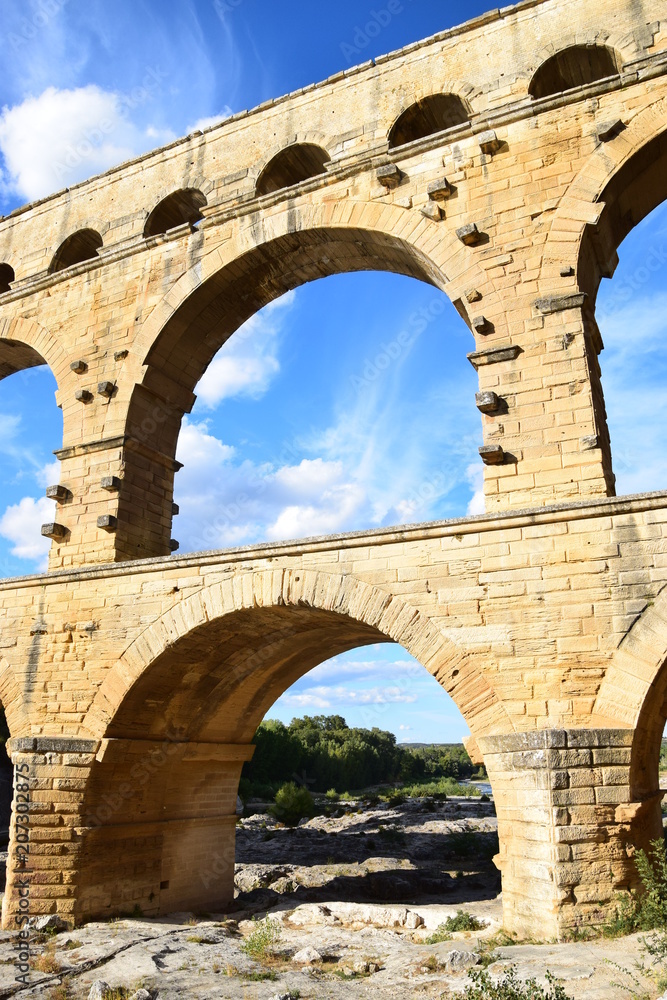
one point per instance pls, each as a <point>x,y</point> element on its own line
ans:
<point>111,483</point>
<point>489,142</point>
<point>567,272</point>
<point>108,522</point>
<point>54,530</point>
<point>470,234</point>
<point>389,175</point>
<point>473,295</point>
<point>439,189</point>
<point>174,545</point>
<point>83,395</point>
<point>480,324</point>
<point>120,355</point>
<point>492,454</point>
<point>175,509</point>
<point>59,493</point>
<point>560,303</point>
<point>609,130</point>
<point>487,402</point>
<point>432,211</point>
<point>494,355</point>
<point>106,389</point>
<point>79,367</point>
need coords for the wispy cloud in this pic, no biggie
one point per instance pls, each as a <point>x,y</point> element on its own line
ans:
<point>248,362</point>
<point>326,697</point>
<point>208,120</point>
<point>634,379</point>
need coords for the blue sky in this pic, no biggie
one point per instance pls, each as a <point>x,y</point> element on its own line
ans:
<point>304,424</point>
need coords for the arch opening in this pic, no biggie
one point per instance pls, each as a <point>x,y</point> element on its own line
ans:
<point>31,425</point>
<point>77,248</point>
<point>193,713</point>
<point>298,162</point>
<point>207,318</point>
<point>575,66</point>
<point>310,341</point>
<point>628,246</point>
<point>193,333</point>
<point>637,188</point>
<point>177,209</point>
<point>428,116</point>
<point>6,277</point>
<point>352,735</point>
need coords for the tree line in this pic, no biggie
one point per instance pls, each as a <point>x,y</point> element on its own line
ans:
<point>323,752</point>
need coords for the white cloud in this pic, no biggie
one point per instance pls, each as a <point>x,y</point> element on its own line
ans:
<point>48,475</point>
<point>341,667</point>
<point>201,449</point>
<point>248,362</point>
<point>203,123</point>
<point>475,476</point>
<point>21,524</point>
<point>63,136</point>
<point>335,508</point>
<point>326,697</point>
<point>229,503</point>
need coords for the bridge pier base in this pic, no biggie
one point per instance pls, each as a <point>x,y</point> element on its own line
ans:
<point>567,825</point>
<point>118,826</point>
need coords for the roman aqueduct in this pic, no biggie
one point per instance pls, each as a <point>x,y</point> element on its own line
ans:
<point>503,162</point>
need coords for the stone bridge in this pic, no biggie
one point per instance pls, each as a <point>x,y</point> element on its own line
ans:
<point>503,161</point>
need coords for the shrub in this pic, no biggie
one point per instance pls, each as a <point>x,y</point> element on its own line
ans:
<point>332,795</point>
<point>261,941</point>
<point>461,922</point>
<point>293,802</point>
<point>508,987</point>
<point>645,911</point>
<point>652,868</point>
<point>441,789</point>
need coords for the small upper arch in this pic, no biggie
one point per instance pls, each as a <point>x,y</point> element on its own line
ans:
<point>80,246</point>
<point>6,277</point>
<point>177,209</point>
<point>574,66</point>
<point>292,165</point>
<point>428,116</point>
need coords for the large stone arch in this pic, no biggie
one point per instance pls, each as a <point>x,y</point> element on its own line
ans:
<point>633,696</point>
<point>12,702</point>
<point>633,693</point>
<point>450,266</point>
<point>383,614</point>
<point>582,207</point>
<point>180,823</point>
<point>251,262</point>
<point>25,343</point>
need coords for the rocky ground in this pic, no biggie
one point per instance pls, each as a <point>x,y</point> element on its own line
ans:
<point>352,899</point>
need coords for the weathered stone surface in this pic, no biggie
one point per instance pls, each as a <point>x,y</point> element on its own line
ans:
<point>544,618</point>
<point>307,956</point>
<point>99,990</point>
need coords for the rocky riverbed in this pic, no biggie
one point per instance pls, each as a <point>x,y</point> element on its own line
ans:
<point>353,900</point>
